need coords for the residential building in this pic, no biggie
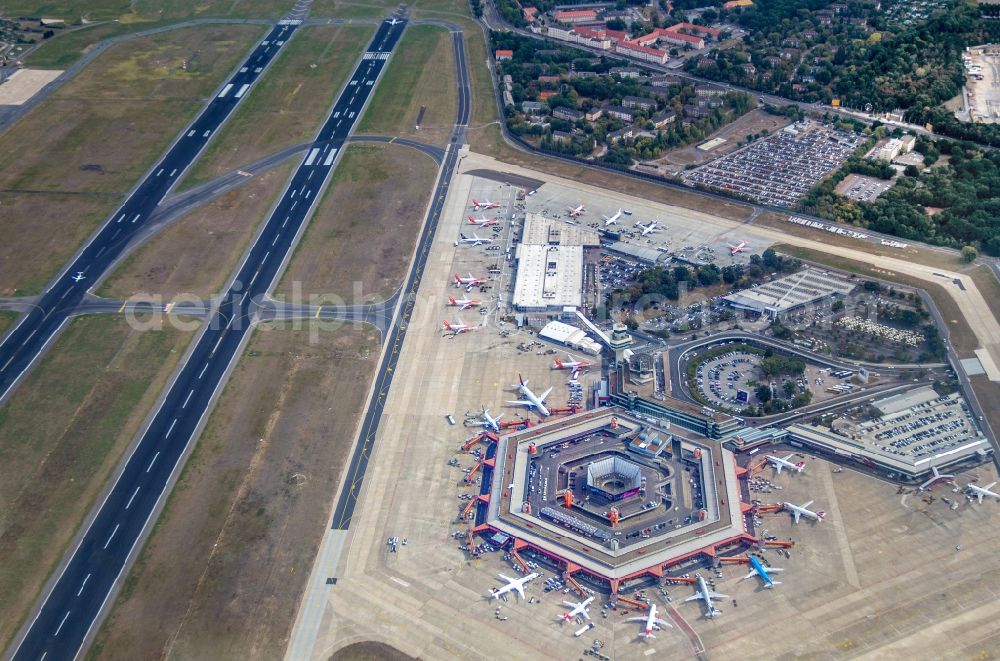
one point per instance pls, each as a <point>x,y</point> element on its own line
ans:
<point>644,53</point>
<point>569,114</point>
<point>502,55</point>
<point>639,103</point>
<point>624,72</point>
<point>614,137</point>
<point>561,136</point>
<point>576,16</point>
<point>662,119</point>
<point>707,89</point>
<point>593,114</point>
<point>534,108</point>
<point>618,112</point>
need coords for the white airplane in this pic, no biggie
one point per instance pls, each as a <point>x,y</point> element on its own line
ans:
<point>464,303</point>
<point>457,327</point>
<point>612,219</point>
<point>576,211</point>
<point>485,204</point>
<point>578,608</point>
<point>650,228</point>
<point>515,584</point>
<point>652,622</point>
<point>532,401</point>
<point>394,21</point>
<point>570,364</point>
<point>483,221</point>
<point>468,281</point>
<point>780,463</point>
<point>981,492</point>
<point>737,248</point>
<point>706,595</point>
<point>763,572</point>
<point>474,240</point>
<point>799,511</point>
<point>78,277</point>
<point>489,421</point>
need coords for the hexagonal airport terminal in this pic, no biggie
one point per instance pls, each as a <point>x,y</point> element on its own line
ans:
<point>616,495</point>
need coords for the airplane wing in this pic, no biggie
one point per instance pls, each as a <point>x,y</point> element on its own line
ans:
<point>585,614</point>
<point>636,619</point>
<point>808,504</point>
<point>717,595</point>
<point>696,597</point>
<point>778,468</point>
<point>753,572</point>
<point>662,623</point>
<point>796,515</point>
<point>519,402</point>
<point>570,604</point>
<point>520,590</point>
<point>773,569</point>
<point>789,457</point>
<point>990,485</point>
<point>980,495</point>
<point>544,395</point>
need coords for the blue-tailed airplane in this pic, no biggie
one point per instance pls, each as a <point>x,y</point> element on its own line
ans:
<point>764,573</point>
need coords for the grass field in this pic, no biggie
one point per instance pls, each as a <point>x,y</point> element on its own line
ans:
<point>960,334</point>
<point>351,9</point>
<point>364,230</point>
<point>197,253</point>
<point>421,73</point>
<point>92,140</point>
<point>7,320</point>
<point>223,572</point>
<point>95,386</point>
<point>289,102</point>
<point>988,285</point>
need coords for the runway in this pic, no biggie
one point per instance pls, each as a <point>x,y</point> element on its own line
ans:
<point>27,341</point>
<point>78,596</point>
<point>363,448</point>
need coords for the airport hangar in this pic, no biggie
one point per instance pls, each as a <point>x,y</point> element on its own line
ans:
<point>791,293</point>
<point>550,260</point>
<point>613,497</point>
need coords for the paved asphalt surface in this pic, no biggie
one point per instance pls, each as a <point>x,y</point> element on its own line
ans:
<point>89,577</point>
<point>22,347</point>
<point>344,510</point>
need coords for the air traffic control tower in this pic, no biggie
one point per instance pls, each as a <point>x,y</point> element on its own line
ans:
<point>615,496</point>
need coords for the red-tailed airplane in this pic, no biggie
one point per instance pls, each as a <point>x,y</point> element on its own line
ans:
<point>469,281</point>
<point>737,248</point>
<point>650,622</point>
<point>570,364</point>
<point>484,221</point>
<point>457,327</point>
<point>485,204</point>
<point>464,303</point>
<point>576,211</point>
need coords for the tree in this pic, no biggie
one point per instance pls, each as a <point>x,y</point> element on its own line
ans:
<point>789,388</point>
<point>837,306</point>
<point>969,253</point>
<point>911,171</point>
<point>763,393</point>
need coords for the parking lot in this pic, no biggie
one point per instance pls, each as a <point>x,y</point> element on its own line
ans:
<point>721,379</point>
<point>780,169</point>
<point>863,188</point>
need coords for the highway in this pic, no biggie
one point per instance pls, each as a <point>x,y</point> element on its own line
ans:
<point>363,449</point>
<point>27,341</point>
<point>89,577</point>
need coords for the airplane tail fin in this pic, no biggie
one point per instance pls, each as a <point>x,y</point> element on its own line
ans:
<point>558,364</point>
<point>821,515</point>
<point>451,299</point>
<point>800,466</point>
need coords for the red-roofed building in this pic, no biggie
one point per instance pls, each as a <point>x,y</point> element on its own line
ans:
<point>670,36</point>
<point>640,52</point>
<point>576,16</point>
<point>544,96</point>
<point>695,29</point>
<point>502,55</point>
<point>530,14</point>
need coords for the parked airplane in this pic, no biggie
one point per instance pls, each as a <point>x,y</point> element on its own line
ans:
<point>394,21</point>
<point>737,248</point>
<point>513,584</point>
<point>464,303</point>
<point>489,421</point>
<point>485,204</point>
<point>981,492</point>
<point>764,573</point>
<point>780,463</point>
<point>457,327</point>
<point>531,400</point>
<point>653,226</point>
<point>578,608</point>
<point>652,623</point>
<point>706,595</point>
<point>799,511</point>
<point>483,221</point>
<point>570,364</point>
<point>612,219</point>
<point>468,281</point>
<point>78,277</point>
<point>576,211</point>
<point>474,240</point>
